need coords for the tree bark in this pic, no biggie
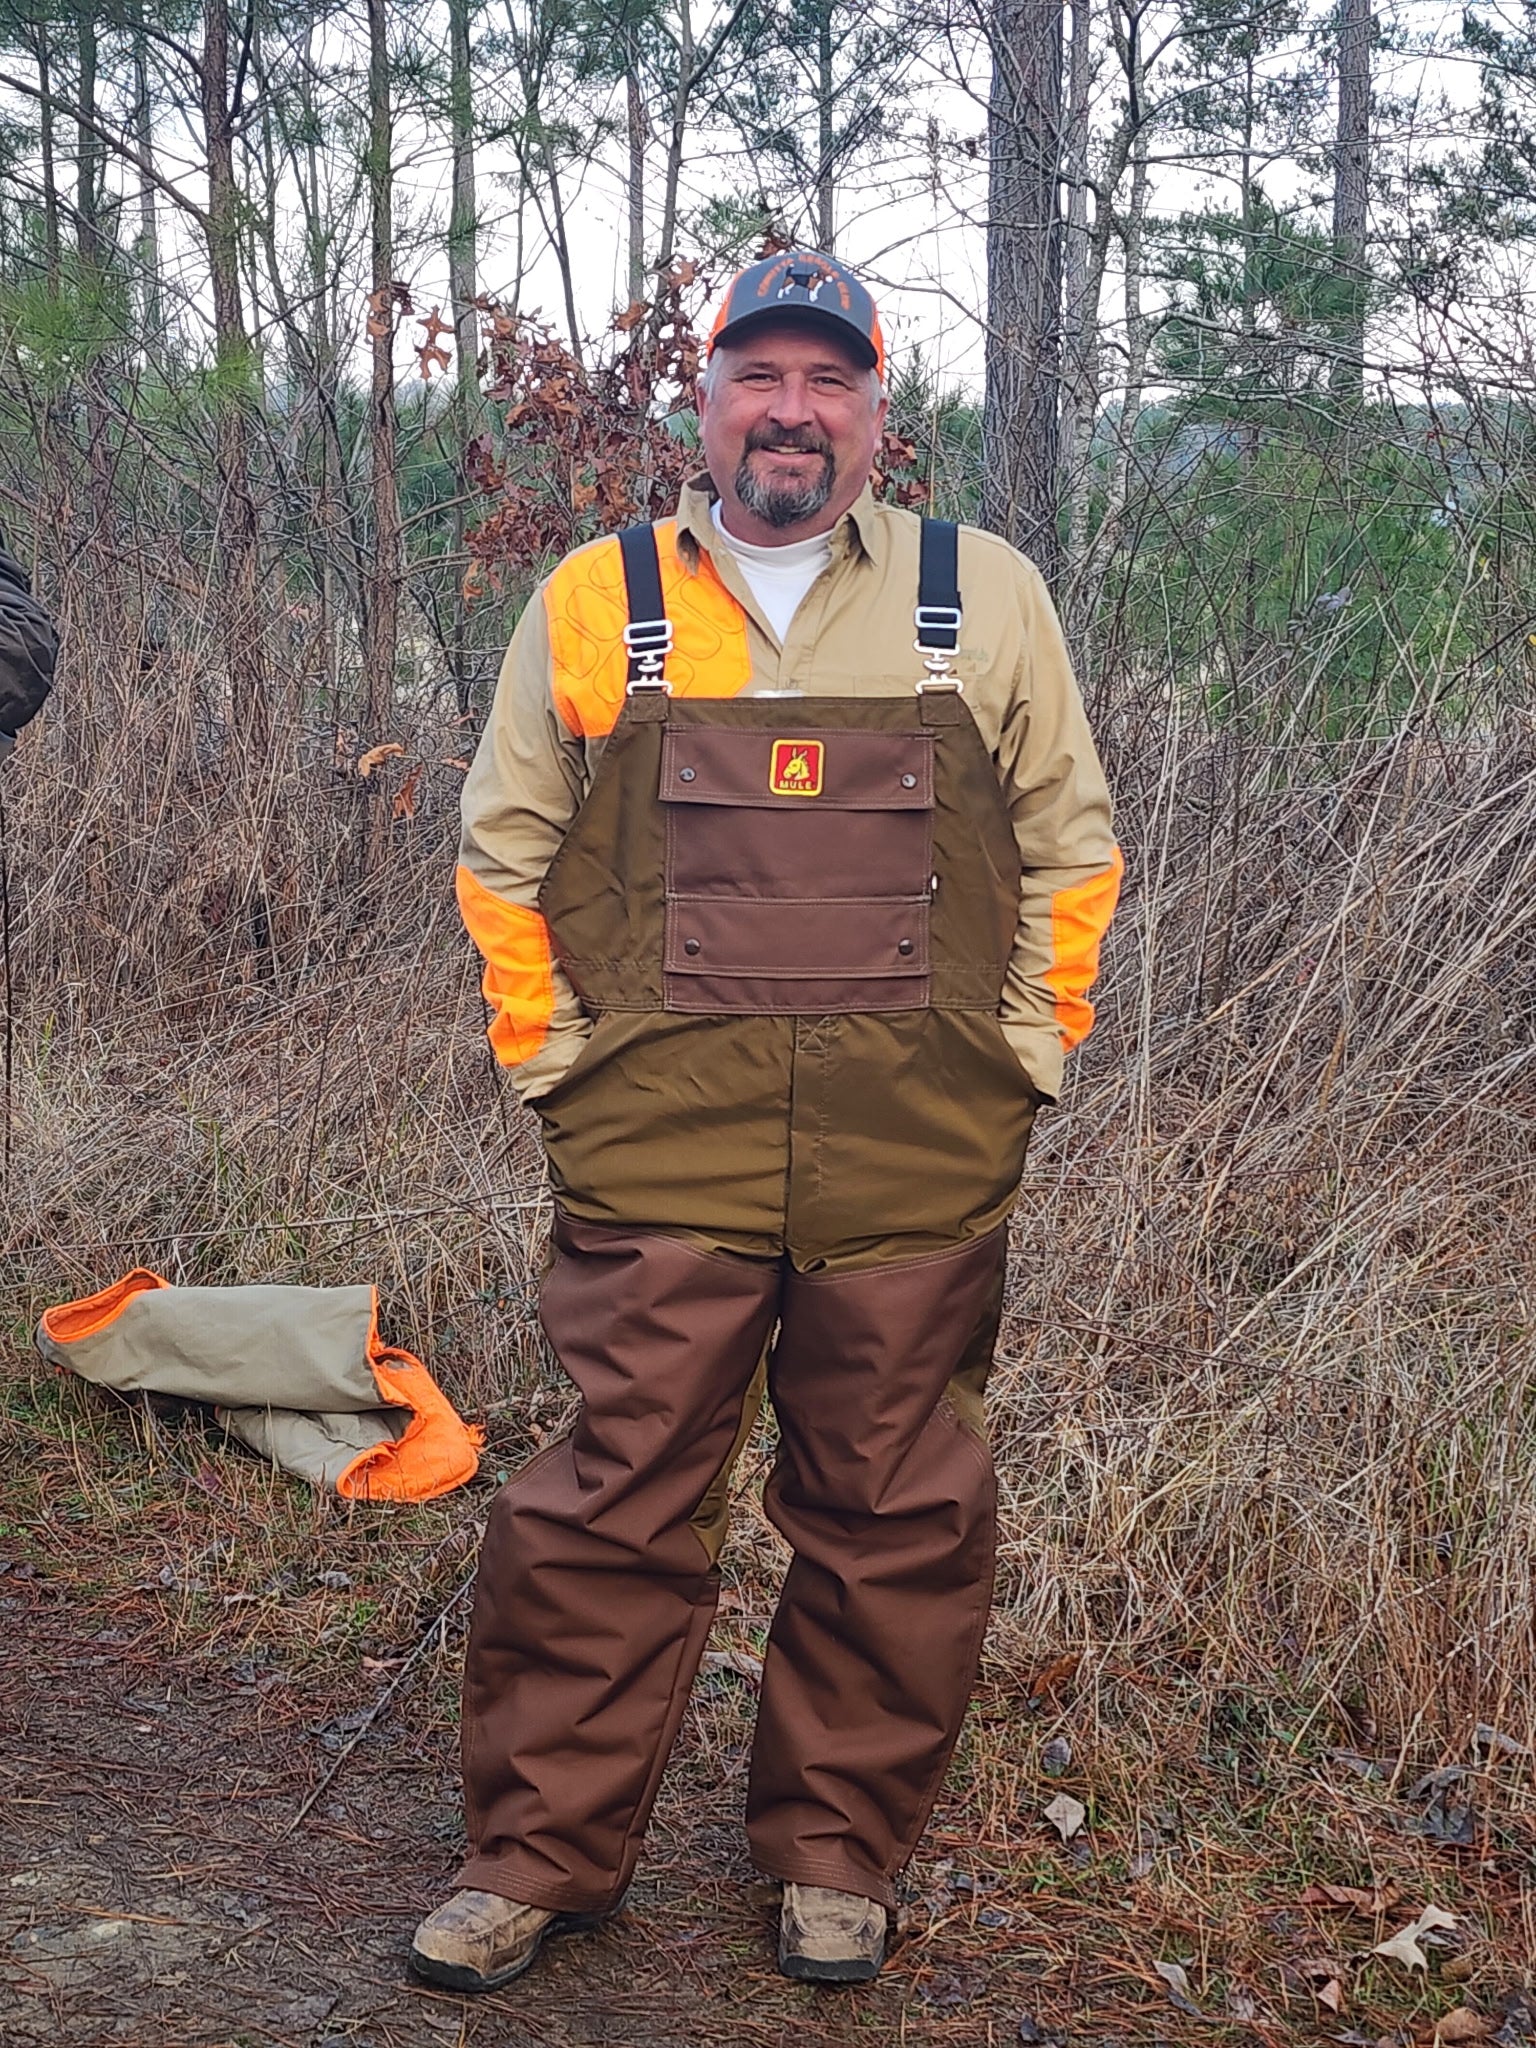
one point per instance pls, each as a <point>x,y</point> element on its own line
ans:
<point>462,288</point>
<point>88,150</point>
<point>637,134</point>
<point>826,93</point>
<point>1351,166</point>
<point>51,246</point>
<point>236,529</point>
<point>381,619</point>
<point>147,249</point>
<point>677,139</point>
<point>1020,420</point>
<point>1080,382</point>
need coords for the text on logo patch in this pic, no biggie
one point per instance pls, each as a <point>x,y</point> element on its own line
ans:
<point>794,768</point>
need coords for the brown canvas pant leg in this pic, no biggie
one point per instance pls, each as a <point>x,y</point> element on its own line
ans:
<point>597,1584</point>
<point>885,1491</point>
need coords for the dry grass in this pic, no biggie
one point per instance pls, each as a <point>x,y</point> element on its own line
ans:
<point>1264,1405</point>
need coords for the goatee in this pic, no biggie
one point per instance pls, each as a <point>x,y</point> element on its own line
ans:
<point>783,503</point>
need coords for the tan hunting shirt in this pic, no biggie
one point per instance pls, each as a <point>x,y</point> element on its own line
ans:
<point>562,688</point>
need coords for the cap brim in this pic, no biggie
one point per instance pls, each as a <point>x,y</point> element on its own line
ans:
<point>748,324</point>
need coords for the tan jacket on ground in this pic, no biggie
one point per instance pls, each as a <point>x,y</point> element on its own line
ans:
<point>562,689</point>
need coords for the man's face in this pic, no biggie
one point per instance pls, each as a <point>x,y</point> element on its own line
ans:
<point>790,423</point>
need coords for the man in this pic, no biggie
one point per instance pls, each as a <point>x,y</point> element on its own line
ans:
<point>786,929</point>
<point>29,648</point>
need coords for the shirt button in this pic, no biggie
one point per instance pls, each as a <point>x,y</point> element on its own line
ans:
<point>904,946</point>
<point>909,782</point>
<point>686,774</point>
<point>690,945</point>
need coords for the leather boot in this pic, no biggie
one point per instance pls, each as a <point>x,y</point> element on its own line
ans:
<point>477,1941</point>
<point>829,1937</point>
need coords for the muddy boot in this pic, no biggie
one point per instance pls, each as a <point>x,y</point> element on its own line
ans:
<point>478,1942</point>
<point>830,1937</point>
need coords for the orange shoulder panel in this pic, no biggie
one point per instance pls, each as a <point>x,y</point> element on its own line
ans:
<point>587,610</point>
<point>1079,919</point>
<point>519,980</point>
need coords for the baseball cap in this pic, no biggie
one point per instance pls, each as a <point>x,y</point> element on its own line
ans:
<point>811,286</point>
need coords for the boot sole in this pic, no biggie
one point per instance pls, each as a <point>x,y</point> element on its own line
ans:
<point>460,1977</point>
<point>819,1970</point>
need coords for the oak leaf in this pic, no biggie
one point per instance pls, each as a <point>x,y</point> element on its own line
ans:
<point>376,756</point>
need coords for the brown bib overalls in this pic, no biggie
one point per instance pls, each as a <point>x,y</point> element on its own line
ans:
<point>794,1137</point>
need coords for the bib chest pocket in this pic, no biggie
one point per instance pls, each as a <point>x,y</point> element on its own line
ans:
<point>798,869</point>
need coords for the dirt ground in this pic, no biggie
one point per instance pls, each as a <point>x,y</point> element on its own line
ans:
<point>153,1891</point>
<point>228,1788</point>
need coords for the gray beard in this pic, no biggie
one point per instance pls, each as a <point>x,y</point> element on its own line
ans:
<point>784,504</point>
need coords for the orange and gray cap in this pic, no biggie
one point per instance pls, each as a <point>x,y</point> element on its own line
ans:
<point>811,287</point>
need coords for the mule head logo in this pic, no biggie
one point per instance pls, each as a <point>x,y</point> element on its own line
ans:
<point>795,767</point>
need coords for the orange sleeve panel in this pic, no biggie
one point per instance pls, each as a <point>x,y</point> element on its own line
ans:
<point>587,610</point>
<point>1079,919</point>
<point>519,980</point>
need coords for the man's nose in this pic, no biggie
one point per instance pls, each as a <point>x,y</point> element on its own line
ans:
<point>792,403</point>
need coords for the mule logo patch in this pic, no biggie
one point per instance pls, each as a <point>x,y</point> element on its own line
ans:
<point>794,768</point>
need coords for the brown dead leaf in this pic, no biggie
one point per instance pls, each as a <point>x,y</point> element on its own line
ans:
<point>742,1662</point>
<point>1058,1673</point>
<point>1461,2025</point>
<point>376,756</point>
<point>631,317</point>
<point>1320,1975</point>
<point>1353,1898</point>
<point>404,805</point>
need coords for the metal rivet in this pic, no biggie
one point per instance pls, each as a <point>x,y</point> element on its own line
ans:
<point>909,782</point>
<point>686,774</point>
<point>904,946</point>
<point>690,945</point>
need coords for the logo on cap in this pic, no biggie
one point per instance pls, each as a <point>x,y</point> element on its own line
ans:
<point>795,768</point>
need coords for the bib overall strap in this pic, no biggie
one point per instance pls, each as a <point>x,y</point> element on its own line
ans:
<point>648,636</point>
<point>938,603</point>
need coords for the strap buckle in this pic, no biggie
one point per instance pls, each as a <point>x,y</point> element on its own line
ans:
<point>936,618</point>
<point>648,642</point>
<point>938,636</point>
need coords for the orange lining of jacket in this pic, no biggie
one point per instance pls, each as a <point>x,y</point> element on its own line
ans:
<point>436,1452</point>
<point>518,982</point>
<point>1079,919</point>
<point>587,609</point>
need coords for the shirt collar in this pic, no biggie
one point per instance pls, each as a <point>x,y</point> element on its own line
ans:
<point>859,527</point>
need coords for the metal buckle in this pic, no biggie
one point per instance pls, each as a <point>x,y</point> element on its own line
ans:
<point>648,642</point>
<point>940,616</point>
<point>939,661</point>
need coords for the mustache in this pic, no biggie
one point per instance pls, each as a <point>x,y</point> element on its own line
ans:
<point>804,440</point>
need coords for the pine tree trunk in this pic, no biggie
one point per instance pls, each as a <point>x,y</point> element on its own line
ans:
<point>147,248</point>
<point>1020,422</point>
<point>462,289</point>
<point>51,246</point>
<point>236,529</point>
<point>637,135</point>
<point>826,189</point>
<point>1080,381</point>
<point>677,140</point>
<point>1138,331</point>
<point>1351,166</point>
<point>381,617</point>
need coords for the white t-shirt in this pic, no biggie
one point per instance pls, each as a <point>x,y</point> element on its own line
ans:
<point>778,577</point>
